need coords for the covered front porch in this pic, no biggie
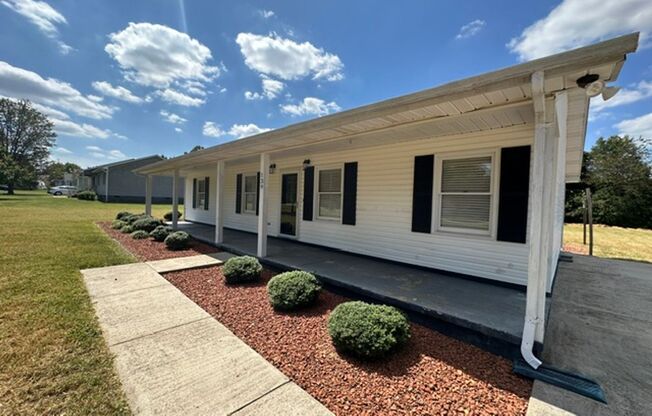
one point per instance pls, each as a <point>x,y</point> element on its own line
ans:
<point>483,313</point>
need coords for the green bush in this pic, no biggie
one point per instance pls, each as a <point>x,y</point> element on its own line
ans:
<point>293,290</point>
<point>147,224</point>
<point>178,240</point>
<point>241,269</point>
<point>132,218</point>
<point>127,229</point>
<point>161,232</point>
<point>86,195</point>
<point>367,331</point>
<point>140,235</point>
<point>168,215</point>
<point>117,224</point>
<point>122,214</point>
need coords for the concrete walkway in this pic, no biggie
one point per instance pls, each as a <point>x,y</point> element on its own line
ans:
<point>600,326</point>
<point>189,262</point>
<point>174,358</point>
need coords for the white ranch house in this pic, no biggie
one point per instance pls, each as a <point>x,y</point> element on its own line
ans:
<point>467,177</point>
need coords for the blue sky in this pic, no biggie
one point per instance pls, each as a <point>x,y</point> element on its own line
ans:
<point>131,78</point>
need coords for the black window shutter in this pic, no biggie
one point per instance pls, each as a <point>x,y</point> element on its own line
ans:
<point>514,188</point>
<point>422,193</point>
<point>308,192</point>
<point>194,192</point>
<point>257,190</point>
<point>206,192</point>
<point>238,193</point>
<point>350,193</point>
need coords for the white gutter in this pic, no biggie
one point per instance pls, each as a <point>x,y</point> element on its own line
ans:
<point>532,318</point>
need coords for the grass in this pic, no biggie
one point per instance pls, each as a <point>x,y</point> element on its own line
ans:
<point>52,354</point>
<point>611,242</point>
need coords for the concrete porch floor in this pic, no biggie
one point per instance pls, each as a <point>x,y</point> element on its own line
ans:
<point>482,313</point>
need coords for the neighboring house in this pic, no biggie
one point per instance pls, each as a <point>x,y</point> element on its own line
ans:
<point>116,182</point>
<point>467,177</point>
<point>78,180</point>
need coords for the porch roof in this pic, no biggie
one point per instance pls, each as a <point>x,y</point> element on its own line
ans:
<point>494,100</point>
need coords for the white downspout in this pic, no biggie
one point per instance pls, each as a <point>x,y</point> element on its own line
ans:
<point>106,185</point>
<point>532,318</point>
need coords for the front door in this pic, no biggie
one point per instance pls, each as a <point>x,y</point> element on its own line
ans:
<point>289,185</point>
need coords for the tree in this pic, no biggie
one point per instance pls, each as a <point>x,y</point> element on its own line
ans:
<point>26,137</point>
<point>56,170</point>
<point>194,149</point>
<point>619,173</point>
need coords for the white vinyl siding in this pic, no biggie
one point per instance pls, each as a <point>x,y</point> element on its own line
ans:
<point>249,194</point>
<point>329,194</point>
<point>384,206</point>
<point>465,194</point>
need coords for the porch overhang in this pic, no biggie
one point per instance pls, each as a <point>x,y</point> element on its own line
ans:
<point>492,101</point>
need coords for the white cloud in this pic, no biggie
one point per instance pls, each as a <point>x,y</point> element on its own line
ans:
<point>238,131</point>
<point>43,16</point>
<point>311,106</point>
<point>175,97</point>
<point>287,59</point>
<point>21,83</point>
<point>244,130</point>
<point>61,150</point>
<point>156,55</point>
<point>625,96</point>
<point>116,154</point>
<point>94,148</point>
<point>88,131</point>
<point>266,13</point>
<point>178,130</point>
<point>575,23</point>
<point>121,93</point>
<point>212,129</point>
<point>471,29</point>
<point>50,112</point>
<point>636,127</point>
<point>172,118</point>
<point>271,89</point>
<point>100,153</point>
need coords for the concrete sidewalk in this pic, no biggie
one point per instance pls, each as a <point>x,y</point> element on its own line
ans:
<point>174,358</point>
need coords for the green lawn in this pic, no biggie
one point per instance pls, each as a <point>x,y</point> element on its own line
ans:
<point>611,242</point>
<point>53,359</point>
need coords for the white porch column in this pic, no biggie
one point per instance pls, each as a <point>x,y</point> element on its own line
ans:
<point>262,205</point>
<point>148,195</point>
<point>219,201</point>
<point>175,199</point>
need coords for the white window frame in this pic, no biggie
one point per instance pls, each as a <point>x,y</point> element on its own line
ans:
<point>244,192</point>
<point>200,204</point>
<point>318,194</point>
<point>493,192</point>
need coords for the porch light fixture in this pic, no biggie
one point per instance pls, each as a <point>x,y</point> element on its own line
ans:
<point>306,163</point>
<point>272,168</point>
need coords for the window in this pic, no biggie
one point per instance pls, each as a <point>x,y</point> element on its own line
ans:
<point>201,193</point>
<point>249,194</point>
<point>465,196</point>
<point>329,193</point>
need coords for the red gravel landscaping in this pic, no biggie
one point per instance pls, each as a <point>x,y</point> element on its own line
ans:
<point>432,375</point>
<point>148,249</point>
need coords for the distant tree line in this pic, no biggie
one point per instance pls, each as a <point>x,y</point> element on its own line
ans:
<point>619,172</point>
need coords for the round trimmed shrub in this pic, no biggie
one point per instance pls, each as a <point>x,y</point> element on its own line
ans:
<point>122,214</point>
<point>132,218</point>
<point>147,224</point>
<point>86,195</point>
<point>178,240</point>
<point>117,224</point>
<point>168,215</point>
<point>293,290</point>
<point>127,229</point>
<point>367,331</point>
<point>241,269</point>
<point>161,232</point>
<point>140,235</point>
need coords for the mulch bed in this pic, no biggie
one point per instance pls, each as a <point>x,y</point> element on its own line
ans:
<point>576,248</point>
<point>148,249</point>
<point>432,375</point>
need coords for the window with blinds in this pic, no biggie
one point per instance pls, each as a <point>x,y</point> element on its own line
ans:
<point>465,194</point>
<point>249,194</point>
<point>329,193</point>
<point>201,194</point>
